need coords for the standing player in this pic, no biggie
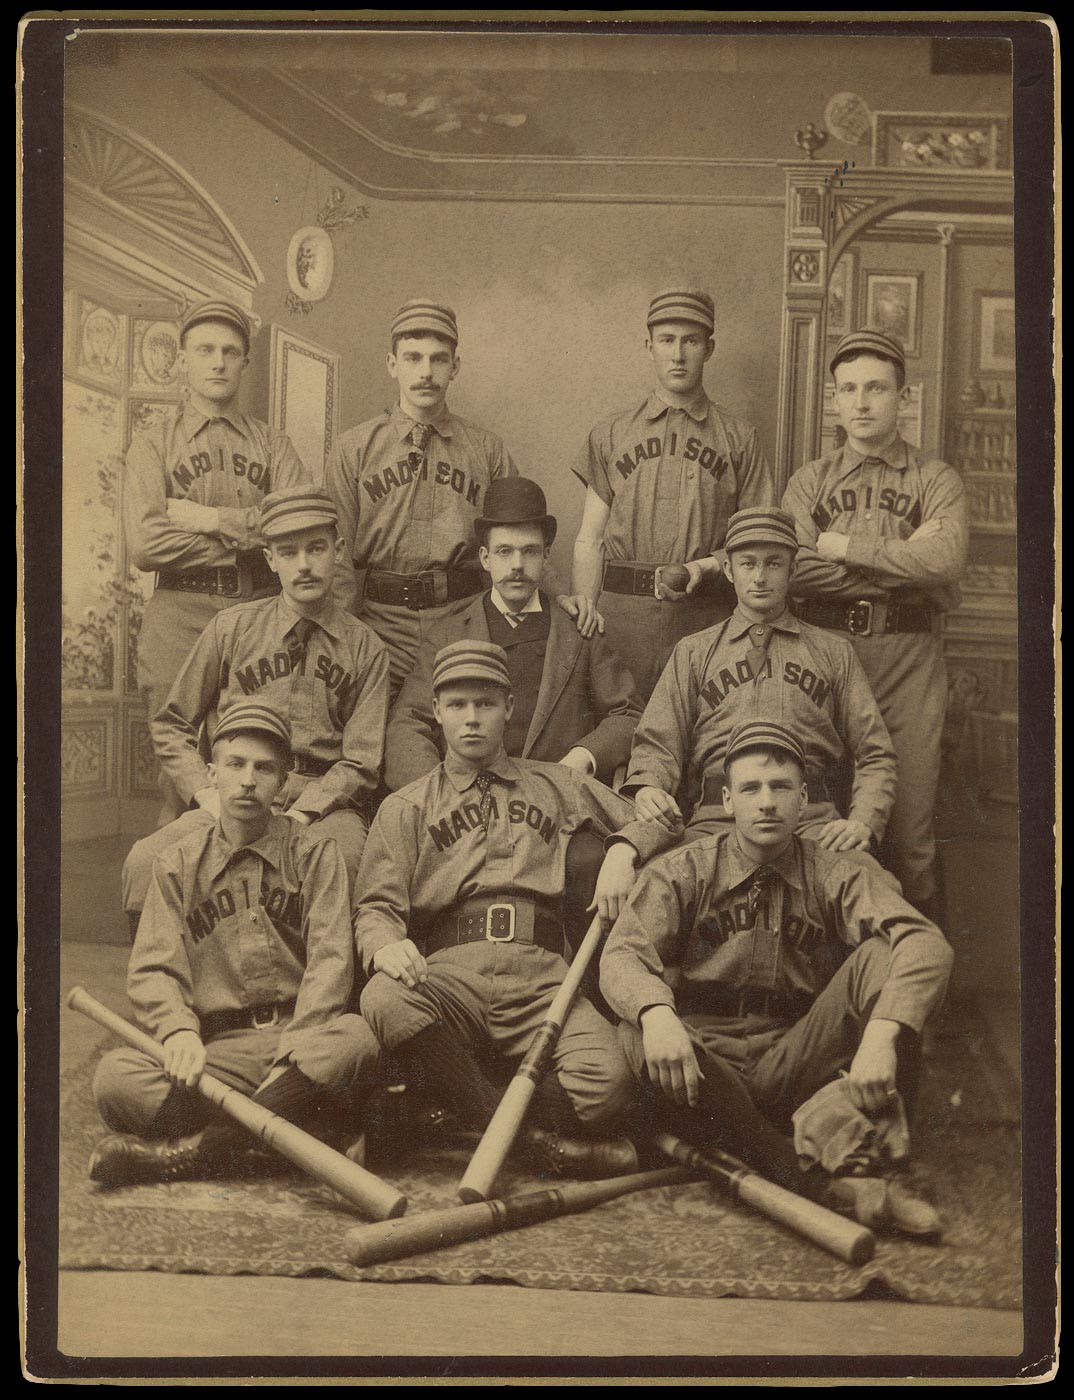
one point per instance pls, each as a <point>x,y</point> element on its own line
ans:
<point>243,965</point>
<point>460,920</point>
<point>763,662</point>
<point>574,699</point>
<point>409,485</point>
<point>883,540</point>
<point>301,654</point>
<point>661,482</point>
<point>191,493</point>
<point>752,969</point>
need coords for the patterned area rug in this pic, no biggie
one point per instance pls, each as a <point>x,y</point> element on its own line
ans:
<point>686,1241</point>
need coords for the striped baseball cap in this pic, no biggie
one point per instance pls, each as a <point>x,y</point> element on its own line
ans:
<point>296,508</point>
<point>763,734</point>
<point>218,310</point>
<point>248,717</point>
<point>677,304</point>
<point>471,661</point>
<point>760,525</point>
<point>869,341</point>
<point>424,314</point>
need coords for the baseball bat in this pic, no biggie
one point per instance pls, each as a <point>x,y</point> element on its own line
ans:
<point>846,1238</point>
<point>488,1158</point>
<point>373,1197</point>
<point>436,1229</point>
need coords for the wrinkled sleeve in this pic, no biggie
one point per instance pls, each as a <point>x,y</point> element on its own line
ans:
<point>193,694</point>
<point>648,936</point>
<point>756,485</point>
<point>153,542</point>
<point>592,469</point>
<point>356,774</point>
<point>613,819</point>
<point>661,749</point>
<point>865,903</point>
<point>388,863</point>
<point>160,983</point>
<point>328,979</point>
<point>412,745</point>
<point>812,574</point>
<point>341,483</point>
<point>933,559</point>
<point>501,463</point>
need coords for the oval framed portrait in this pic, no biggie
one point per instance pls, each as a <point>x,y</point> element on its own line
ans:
<point>310,263</point>
<point>159,353</point>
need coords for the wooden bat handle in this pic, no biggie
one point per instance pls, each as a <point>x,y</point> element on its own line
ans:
<point>436,1229</point>
<point>373,1197</point>
<point>489,1155</point>
<point>845,1238</point>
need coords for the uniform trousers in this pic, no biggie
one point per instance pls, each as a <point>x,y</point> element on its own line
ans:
<point>497,994</point>
<point>909,679</point>
<point>643,632</point>
<point>781,1066</point>
<point>402,630</point>
<point>346,827</point>
<point>130,1088</point>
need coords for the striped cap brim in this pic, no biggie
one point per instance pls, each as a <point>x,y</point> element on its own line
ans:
<point>285,512</point>
<point>247,717</point>
<point>760,525</point>
<point>678,305</point>
<point>868,341</point>
<point>763,734</point>
<point>424,315</point>
<point>471,661</point>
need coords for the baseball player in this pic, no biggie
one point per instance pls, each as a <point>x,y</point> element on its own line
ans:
<point>883,540</point>
<point>192,489</point>
<point>459,923</point>
<point>765,984</point>
<point>243,965</point>
<point>763,663</point>
<point>409,485</point>
<point>304,656</point>
<point>574,700</point>
<point>661,482</point>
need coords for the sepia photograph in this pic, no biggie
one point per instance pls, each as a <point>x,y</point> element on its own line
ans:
<point>536,574</point>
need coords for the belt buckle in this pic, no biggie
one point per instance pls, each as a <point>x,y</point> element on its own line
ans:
<point>263,1023</point>
<point>645,583</point>
<point>861,609</point>
<point>491,919</point>
<point>228,581</point>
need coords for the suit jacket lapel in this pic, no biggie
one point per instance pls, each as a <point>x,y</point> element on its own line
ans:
<point>560,658</point>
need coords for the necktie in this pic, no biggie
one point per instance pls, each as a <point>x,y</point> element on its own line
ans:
<point>484,781</point>
<point>515,619</point>
<point>419,435</point>
<point>302,631</point>
<point>760,636</point>
<point>764,967</point>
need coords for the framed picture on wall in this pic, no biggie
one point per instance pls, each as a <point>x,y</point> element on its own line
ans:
<point>993,333</point>
<point>891,304</point>
<point>304,396</point>
<point>841,287</point>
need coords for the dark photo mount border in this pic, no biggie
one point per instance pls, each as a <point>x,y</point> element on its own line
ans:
<point>43,40</point>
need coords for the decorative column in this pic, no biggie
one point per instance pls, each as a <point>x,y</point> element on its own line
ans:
<point>943,299</point>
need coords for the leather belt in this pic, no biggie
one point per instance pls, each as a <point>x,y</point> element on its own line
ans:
<point>229,581</point>
<point>712,790</point>
<point>307,767</point>
<point>719,1000</point>
<point>245,1018</point>
<point>498,921</point>
<point>638,580</point>
<point>429,589</point>
<point>868,617</point>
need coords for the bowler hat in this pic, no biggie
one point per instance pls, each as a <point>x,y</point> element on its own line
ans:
<point>515,500</point>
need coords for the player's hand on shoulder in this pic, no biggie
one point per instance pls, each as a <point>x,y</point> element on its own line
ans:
<point>653,804</point>
<point>669,1055</point>
<point>844,834</point>
<point>403,961</point>
<point>584,611</point>
<point>184,1058</point>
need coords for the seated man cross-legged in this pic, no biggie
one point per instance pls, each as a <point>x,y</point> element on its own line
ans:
<point>460,919</point>
<point>243,965</point>
<point>766,983</point>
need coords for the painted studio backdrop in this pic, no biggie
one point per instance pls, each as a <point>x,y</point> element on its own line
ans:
<point>544,187</point>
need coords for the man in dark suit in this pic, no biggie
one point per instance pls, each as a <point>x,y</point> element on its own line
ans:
<point>575,701</point>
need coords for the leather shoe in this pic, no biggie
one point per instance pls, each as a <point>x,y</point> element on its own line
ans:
<point>889,1205</point>
<point>587,1158</point>
<point>122,1159</point>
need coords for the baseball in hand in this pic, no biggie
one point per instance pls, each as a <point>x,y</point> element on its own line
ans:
<point>675,576</point>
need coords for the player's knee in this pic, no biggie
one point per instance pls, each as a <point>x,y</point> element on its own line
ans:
<point>602,1090</point>
<point>135,877</point>
<point>388,1009</point>
<point>340,1055</point>
<point>125,1096</point>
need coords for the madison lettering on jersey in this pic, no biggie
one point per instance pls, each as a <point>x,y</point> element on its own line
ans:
<point>282,906</point>
<point>694,450</point>
<point>467,817</point>
<point>405,472</point>
<point>716,688</point>
<point>899,504</point>
<point>721,925</point>
<point>281,664</point>
<point>203,463</point>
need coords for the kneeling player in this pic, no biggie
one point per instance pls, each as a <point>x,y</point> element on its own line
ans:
<point>242,965</point>
<point>802,981</point>
<point>460,920</point>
